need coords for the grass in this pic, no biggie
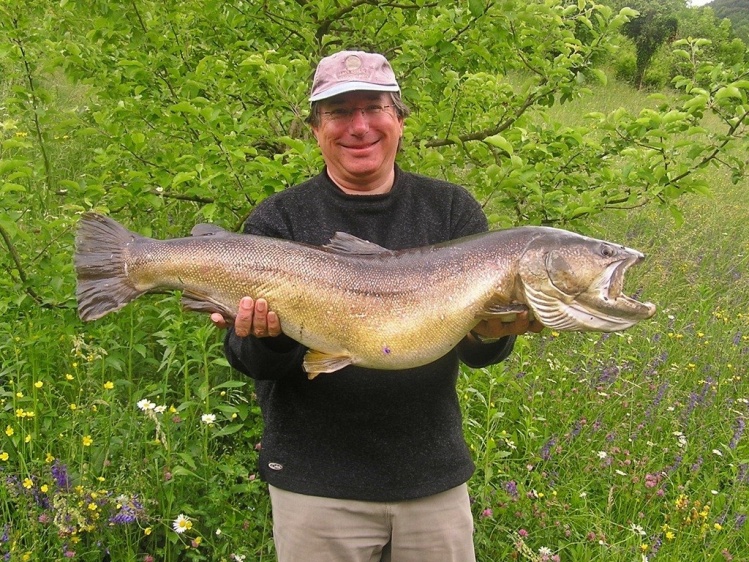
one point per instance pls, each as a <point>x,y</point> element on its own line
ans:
<point>587,446</point>
<point>615,447</point>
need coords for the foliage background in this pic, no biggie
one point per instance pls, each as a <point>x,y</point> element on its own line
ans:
<point>164,114</point>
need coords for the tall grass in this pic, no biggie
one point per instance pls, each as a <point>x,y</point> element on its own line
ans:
<point>629,446</point>
<point>131,438</point>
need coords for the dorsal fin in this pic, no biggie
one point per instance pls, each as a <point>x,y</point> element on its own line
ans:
<point>205,229</point>
<point>350,244</point>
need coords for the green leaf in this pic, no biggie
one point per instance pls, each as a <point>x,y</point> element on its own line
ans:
<point>500,142</point>
<point>183,177</point>
<point>476,7</point>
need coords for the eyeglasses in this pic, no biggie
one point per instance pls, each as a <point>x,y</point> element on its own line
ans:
<point>346,113</point>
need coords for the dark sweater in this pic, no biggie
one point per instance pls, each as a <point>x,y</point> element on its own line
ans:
<point>361,433</point>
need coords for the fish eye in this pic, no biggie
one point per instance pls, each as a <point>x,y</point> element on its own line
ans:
<point>607,251</point>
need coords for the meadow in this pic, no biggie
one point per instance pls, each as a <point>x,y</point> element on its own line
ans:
<point>131,439</point>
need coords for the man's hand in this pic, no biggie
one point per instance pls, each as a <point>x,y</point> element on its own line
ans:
<point>496,328</point>
<point>253,317</point>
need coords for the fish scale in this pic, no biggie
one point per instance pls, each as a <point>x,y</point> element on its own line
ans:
<point>354,303</point>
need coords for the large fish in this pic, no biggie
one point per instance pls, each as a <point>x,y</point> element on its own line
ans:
<point>355,303</point>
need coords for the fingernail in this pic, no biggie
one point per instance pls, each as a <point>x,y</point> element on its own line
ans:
<point>246,302</point>
<point>260,306</point>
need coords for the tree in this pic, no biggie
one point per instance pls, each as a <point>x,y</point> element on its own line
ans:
<point>171,113</point>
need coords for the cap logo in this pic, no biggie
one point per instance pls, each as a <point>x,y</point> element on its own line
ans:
<point>353,62</point>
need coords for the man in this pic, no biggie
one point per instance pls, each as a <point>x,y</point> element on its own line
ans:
<point>363,465</point>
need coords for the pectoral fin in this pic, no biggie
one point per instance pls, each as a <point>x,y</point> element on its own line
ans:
<point>316,362</point>
<point>504,312</point>
<point>203,303</point>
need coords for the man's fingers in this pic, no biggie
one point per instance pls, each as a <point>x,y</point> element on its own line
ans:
<point>243,321</point>
<point>274,324</point>
<point>219,321</point>
<point>260,319</point>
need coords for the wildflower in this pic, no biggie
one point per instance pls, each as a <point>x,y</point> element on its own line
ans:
<point>182,524</point>
<point>109,385</point>
<point>27,483</point>
<point>522,533</point>
<point>147,531</point>
<point>148,558</point>
<point>87,440</point>
<point>195,543</point>
<point>69,377</point>
<point>670,535</point>
<point>73,407</point>
<point>160,409</point>
<point>487,512</point>
<point>544,551</point>
<point>602,454</point>
<point>218,532</point>
<point>637,529</point>
<point>60,474</point>
<point>44,488</point>
<point>146,405</point>
<point>209,419</point>
<point>4,456</point>
<point>717,452</point>
<point>9,431</point>
<point>49,458</point>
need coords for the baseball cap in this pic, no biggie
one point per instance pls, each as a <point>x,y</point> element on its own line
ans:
<point>350,71</point>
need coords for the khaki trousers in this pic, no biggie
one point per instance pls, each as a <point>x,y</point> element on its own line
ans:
<point>437,528</point>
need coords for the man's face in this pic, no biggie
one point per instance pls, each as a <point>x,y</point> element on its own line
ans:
<point>359,149</point>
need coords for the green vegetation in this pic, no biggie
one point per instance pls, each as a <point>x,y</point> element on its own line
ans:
<point>737,11</point>
<point>164,114</point>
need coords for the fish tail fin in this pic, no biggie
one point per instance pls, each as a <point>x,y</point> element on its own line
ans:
<point>103,284</point>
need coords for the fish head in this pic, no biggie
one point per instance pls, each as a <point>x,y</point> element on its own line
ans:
<point>573,282</point>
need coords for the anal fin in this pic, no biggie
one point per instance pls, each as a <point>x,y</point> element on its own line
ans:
<point>316,362</point>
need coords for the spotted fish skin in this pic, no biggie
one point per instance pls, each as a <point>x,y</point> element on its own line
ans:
<point>353,302</point>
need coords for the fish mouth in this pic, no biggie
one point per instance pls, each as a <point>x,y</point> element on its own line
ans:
<point>602,307</point>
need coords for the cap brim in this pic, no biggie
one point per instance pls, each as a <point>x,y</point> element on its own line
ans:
<point>353,87</point>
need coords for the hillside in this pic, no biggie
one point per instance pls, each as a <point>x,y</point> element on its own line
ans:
<point>735,10</point>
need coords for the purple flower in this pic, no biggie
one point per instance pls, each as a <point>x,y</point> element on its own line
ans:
<point>512,488</point>
<point>129,511</point>
<point>546,449</point>
<point>60,474</point>
<point>740,426</point>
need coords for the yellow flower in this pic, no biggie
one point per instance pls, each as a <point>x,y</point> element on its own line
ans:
<point>644,547</point>
<point>87,441</point>
<point>718,527</point>
<point>69,377</point>
<point>49,458</point>
<point>147,531</point>
<point>4,456</point>
<point>27,439</point>
<point>19,394</point>
<point>20,413</point>
<point>44,488</point>
<point>9,431</point>
<point>27,483</point>
<point>26,556</point>
<point>73,406</point>
<point>670,535</point>
<point>109,385</point>
<point>92,506</point>
<point>38,384</point>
